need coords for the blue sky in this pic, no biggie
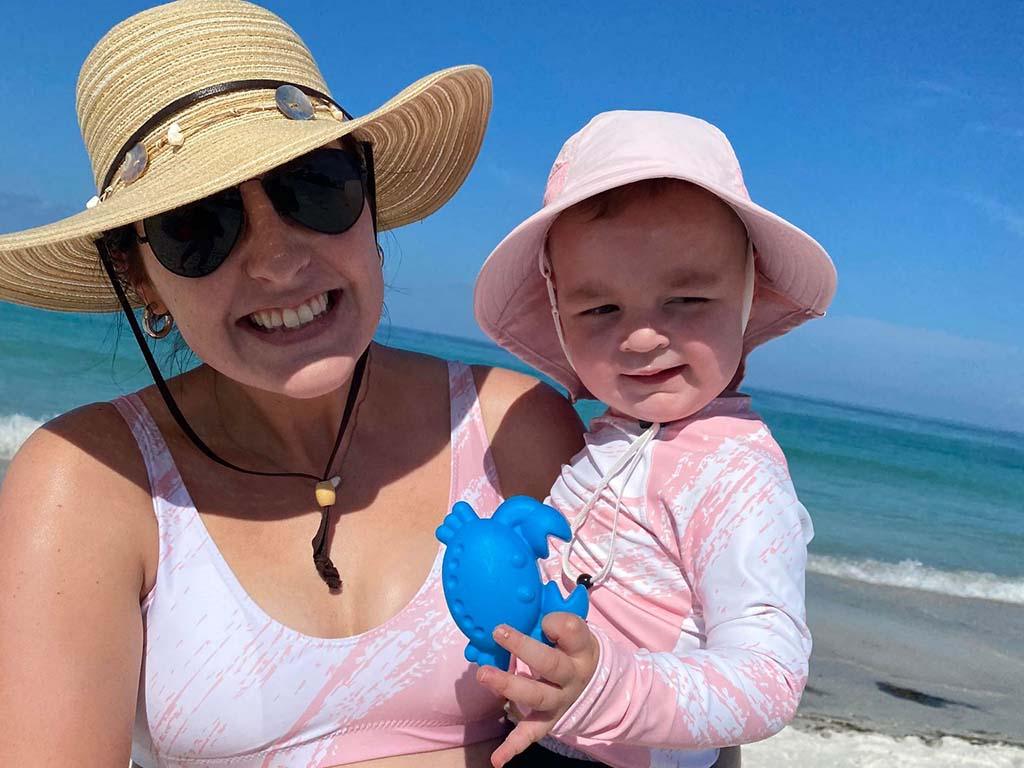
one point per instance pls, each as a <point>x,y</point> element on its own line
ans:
<point>894,134</point>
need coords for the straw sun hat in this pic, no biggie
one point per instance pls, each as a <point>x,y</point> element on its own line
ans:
<point>186,99</point>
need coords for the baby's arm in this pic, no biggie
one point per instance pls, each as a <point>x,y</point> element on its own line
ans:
<point>744,551</point>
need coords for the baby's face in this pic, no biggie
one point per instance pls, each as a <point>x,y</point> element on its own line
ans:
<point>651,300</point>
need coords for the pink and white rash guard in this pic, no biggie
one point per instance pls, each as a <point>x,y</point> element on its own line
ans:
<point>701,619</point>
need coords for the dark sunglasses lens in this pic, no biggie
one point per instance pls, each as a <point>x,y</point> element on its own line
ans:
<point>322,190</point>
<point>192,241</point>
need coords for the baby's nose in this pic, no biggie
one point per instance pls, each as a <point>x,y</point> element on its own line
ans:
<point>644,339</point>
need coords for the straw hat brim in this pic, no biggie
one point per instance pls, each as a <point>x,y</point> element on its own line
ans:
<point>795,281</point>
<point>425,141</point>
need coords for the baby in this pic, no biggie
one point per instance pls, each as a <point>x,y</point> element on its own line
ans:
<point>644,281</point>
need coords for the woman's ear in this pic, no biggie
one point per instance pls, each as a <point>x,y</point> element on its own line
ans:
<point>138,277</point>
<point>150,297</point>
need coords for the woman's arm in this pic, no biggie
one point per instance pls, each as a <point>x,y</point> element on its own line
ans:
<point>71,574</point>
<point>533,430</point>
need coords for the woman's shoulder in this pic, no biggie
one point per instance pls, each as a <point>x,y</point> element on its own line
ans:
<point>533,429</point>
<point>524,403</point>
<point>80,478</point>
<point>92,436</point>
<point>502,393</point>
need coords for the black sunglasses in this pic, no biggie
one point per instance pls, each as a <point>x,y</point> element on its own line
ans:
<point>324,190</point>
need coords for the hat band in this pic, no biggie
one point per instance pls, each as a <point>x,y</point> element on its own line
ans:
<point>180,104</point>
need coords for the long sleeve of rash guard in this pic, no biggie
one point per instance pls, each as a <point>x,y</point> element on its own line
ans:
<point>738,534</point>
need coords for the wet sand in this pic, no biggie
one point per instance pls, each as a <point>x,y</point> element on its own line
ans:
<point>904,662</point>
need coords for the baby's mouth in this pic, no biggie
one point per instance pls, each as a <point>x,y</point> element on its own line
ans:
<point>656,375</point>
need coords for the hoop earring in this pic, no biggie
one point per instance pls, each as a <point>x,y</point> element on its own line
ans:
<point>380,253</point>
<point>156,326</point>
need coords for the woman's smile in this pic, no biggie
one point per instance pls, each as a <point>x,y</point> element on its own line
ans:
<point>291,324</point>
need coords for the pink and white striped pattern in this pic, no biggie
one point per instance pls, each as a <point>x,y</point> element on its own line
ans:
<point>224,684</point>
<point>701,621</point>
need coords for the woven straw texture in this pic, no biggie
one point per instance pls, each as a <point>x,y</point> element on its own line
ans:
<point>425,139</point>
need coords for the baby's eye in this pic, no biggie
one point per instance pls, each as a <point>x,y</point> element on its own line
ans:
<point>688,300</point>
<point>604,309</point>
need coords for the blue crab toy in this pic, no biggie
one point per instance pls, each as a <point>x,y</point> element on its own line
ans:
<point>490,574</point>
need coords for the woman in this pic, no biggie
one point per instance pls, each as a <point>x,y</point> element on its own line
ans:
<point>160,592</point>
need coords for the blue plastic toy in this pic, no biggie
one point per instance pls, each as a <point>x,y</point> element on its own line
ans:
<point>490,574</point>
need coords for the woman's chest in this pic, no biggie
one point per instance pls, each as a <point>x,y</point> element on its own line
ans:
<point>222,679</point>
<point>380,537</point>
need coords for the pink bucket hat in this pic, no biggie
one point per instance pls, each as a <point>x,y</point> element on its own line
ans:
<point>795,279</point>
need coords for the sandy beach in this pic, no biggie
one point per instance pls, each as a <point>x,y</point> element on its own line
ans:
<point>851,749</point>
<point>907,662</point>
<point>903,675</point>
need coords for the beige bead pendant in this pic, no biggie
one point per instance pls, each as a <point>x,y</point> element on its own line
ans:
<point>325,491</point>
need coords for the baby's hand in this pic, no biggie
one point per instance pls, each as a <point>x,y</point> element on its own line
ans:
<point>563,671</point>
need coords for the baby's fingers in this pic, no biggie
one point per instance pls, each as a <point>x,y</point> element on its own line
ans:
<point>526,693</point>
<point>522,736</point>
<point>568,631</point>
<point>543,660</point>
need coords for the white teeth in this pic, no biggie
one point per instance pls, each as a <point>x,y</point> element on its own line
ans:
<point>292,317</point>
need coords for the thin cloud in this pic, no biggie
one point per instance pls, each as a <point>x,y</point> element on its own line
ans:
<point>1007,131</point>
<point>999,212</point>
<point>939,374</point>
<point>938,88</point>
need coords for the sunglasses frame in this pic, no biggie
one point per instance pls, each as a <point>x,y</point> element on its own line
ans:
<point>362,153</point>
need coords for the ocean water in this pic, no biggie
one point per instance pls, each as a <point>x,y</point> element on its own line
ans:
<point>895,499</point>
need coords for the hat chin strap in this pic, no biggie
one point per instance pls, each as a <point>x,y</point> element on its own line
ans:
<point>545,271</point>
<point>749,280</point>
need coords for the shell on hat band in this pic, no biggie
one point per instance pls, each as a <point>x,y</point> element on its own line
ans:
<point>290,100</point>
<point>293,103</point>
<point>174,135</point>
<point>136,160</point>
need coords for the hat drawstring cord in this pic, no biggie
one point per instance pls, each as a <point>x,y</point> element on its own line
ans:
<point>629,461</point>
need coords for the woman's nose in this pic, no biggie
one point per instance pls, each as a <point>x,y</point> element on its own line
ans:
<point>644,339</point>
<point>272,250</point>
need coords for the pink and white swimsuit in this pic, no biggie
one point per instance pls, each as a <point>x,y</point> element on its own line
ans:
<point>224,684</point>
<point>701,619</point>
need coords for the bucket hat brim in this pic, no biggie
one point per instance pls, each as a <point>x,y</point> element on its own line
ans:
<point>795,278</point>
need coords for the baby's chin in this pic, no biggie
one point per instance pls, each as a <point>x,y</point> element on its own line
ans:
<point>662,407</point>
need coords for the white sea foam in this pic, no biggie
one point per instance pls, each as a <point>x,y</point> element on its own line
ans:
<point>14,430</point>
<point>911,574</point>
<point>844,749</point>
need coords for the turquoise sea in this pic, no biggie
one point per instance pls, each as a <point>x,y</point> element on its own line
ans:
<point>895,499</point>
